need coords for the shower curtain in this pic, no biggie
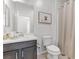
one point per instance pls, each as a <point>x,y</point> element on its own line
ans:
<point>67,29</point>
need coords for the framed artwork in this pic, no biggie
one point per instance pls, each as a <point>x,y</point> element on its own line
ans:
<point>45,18</point>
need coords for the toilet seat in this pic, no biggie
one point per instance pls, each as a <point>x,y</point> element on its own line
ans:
<point>53,50</point>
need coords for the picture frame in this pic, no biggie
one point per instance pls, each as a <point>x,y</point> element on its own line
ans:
<point>44,18</point>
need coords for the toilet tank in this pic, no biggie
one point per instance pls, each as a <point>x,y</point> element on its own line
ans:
<point>47,40</point>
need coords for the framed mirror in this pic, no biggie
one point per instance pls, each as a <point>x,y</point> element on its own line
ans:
<point>18,16</point>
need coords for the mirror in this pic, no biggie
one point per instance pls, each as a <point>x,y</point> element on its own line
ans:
<point>6,14</point>
<point>18,16</point>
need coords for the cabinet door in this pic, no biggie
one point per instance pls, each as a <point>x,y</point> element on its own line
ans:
<point>29,53</point>
<point>10,55</point>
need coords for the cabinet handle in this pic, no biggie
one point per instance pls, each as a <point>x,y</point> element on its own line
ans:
<point>22,54</point>
<point>16,55</point>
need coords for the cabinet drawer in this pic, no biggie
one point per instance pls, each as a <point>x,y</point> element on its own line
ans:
<point>19,45</point>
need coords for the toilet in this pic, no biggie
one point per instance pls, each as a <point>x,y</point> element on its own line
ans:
<point>53,51</point>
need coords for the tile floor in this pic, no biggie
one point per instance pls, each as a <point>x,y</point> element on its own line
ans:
<point>44,56</point>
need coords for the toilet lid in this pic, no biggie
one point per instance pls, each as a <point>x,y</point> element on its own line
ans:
<point>53,48</point>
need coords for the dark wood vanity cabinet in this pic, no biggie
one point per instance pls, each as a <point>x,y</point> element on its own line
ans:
<point>28,53</point>
<point>21,50</point>
<point>10,55</point>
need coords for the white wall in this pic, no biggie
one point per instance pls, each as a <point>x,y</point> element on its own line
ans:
<point>40,30</point>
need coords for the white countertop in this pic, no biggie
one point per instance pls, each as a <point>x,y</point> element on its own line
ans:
<point>20,39</point>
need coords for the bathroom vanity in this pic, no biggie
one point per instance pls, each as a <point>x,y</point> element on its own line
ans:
<point>20,49</point>
<point>18,19</point>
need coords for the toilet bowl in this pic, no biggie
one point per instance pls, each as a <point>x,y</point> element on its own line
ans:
<point>53,51</point>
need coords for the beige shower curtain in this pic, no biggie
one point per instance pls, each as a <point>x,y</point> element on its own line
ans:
<point>67,29</point>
